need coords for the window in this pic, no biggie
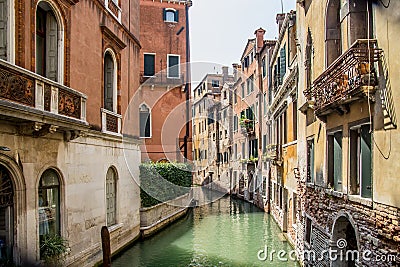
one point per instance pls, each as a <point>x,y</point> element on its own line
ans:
<point>173,66</point>
<point>170,15</point>
<point>48,43</point>
<point>264,67</point>
<point>111,196</point>
<point>110,82</point>
<point>235,151</point>
<point>335,160</point>
<point>308,230</point>
<point>282,68</point>
<point>250,84</point>
<point>6,47</point>
<point>49,204</point>
<point>309,60</point>
<point>310,161</point>
<point>242,87</point>
<point>243,150</point>
<point>264,147</point>
<point>294,114</point>
<point>235,96</point>
<point>235,123</point>
<point>360,161</point>
<point>145,121</point>
<point>149,64</point>
<point>215,83</point>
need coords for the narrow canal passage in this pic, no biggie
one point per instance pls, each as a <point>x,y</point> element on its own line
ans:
<point>227,232</point>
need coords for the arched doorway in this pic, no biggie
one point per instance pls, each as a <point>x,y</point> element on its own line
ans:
<point>344,241</point>
<point>6,215</point>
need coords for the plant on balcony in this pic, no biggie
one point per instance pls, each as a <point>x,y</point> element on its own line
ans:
<point>246,124</point>
<point>253,159</point>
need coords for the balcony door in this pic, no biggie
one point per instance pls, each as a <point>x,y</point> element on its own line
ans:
<point>46,42</point>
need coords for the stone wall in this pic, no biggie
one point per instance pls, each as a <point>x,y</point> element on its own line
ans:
<point>376,225</point>
<point>153,219</point>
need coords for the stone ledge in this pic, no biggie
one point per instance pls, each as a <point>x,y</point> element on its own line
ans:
<point>363,201</point>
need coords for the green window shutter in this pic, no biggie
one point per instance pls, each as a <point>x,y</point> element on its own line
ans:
<point>337,161</point>
<point>51,47</point>
<point>282,68</point>
<point>177,16</point>
<point>164,14</point>
<point>366,161</point>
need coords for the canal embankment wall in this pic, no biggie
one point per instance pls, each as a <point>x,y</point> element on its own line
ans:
<point>155,218</point>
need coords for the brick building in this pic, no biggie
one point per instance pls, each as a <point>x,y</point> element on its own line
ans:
<point>164,94</point>
<point>67,72</point>
<point>347,134</point>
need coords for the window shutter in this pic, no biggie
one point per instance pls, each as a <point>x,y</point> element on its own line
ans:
<point>177,16</point>
<point>3,29</point>
<point>164,14</point>
<point>51,47</point>
<point>108,82</point>
<point>282,63</point>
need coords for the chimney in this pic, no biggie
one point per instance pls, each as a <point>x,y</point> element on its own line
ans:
<point>235,71</point>
<point>279,20</point>
<point>224,73</point>
<point>259,38</point>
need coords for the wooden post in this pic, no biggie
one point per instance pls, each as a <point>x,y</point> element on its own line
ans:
<point>105,243</point>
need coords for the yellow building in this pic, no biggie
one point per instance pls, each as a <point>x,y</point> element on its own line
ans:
<point>282,121</point>
<point>348,136</point>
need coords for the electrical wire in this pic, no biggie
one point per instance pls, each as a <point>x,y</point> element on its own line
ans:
<point>383,4</point>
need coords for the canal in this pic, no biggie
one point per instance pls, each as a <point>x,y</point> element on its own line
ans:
<point>227,232</point>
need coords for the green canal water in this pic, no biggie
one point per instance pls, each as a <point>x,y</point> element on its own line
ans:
<point>227,232</point>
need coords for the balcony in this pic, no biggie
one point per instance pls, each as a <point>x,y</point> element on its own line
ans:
<point>39,103</point>
<point>161,79</point>
<point>247,126</point>
<point>111,122</point>
<point>349,78</point>
<point>274,154</point>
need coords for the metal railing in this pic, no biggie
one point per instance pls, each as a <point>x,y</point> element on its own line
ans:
<point>349,77</point>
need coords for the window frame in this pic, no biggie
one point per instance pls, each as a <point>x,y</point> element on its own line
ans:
<point>10,33</point>
<point>115,81</point>
<point>179,66</point>
<point>115,196</point>
<point>170,10</point>
<point>150,122</point>
<point>144,64</point>
<point>331,166</point>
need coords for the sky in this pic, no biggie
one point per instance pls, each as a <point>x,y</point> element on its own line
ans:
<point>219,30</point>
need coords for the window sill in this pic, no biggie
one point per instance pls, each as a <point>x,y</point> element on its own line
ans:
<point>167,21</point>
<point>361,200</point>
<point>114,227</point>
<point>334,193</point>
<point>145,137</point>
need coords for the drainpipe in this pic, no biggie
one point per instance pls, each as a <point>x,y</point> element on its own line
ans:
<point>188,82</point>
<point>260,123</point>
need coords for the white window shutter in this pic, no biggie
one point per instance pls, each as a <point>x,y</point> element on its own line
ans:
<point>51,47</point>
<point>3,29</point>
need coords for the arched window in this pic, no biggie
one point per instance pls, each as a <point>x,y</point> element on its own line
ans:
<point>170,15</point>
<point>111,196</point>
<point>6,211</point>
<point>110,82</point>
<point>48,43</point>
<point>145,121</point>
<point>49,204</point>
<point>6,32</point>
<point>333,42</point>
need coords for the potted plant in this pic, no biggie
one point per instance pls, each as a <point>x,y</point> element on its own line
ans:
<point>53,249</point>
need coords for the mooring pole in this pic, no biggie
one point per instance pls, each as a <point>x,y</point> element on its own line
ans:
<point>105,244</point>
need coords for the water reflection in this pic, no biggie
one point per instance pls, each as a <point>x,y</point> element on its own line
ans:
<point>226,232</point>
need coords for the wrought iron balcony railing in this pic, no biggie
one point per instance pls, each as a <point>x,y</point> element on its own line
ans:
<point>31,97</point>
<point>350,77</point>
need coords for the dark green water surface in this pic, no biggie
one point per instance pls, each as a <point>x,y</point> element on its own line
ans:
<point>227,232</point>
